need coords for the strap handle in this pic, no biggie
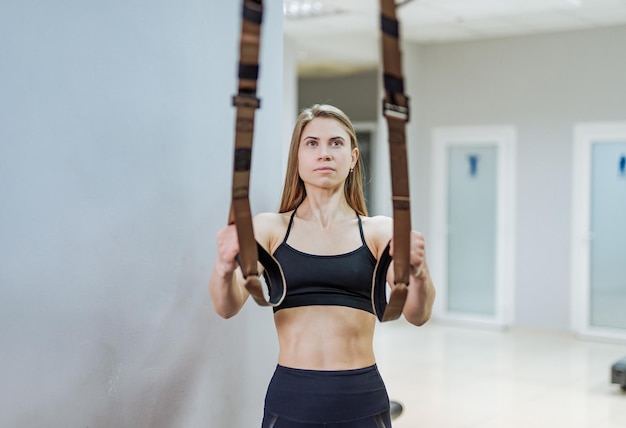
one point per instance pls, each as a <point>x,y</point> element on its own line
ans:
<point>396,111</point>
<point>246,102</point>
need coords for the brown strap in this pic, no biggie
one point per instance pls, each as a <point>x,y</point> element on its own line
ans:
<point>246,103</point>
<point>396,111</point>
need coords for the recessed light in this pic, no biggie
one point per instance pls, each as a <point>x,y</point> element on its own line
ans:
<point>302,9</point>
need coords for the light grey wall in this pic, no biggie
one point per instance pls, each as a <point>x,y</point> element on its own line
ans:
<point>116,131</point>
<point>542,85</point>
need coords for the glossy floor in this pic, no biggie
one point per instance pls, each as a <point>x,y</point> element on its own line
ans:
<point>451,377</point>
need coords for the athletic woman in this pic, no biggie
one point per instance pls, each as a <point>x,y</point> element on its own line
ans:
<point>328,248</point>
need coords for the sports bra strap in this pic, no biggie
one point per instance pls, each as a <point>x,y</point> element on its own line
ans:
<point>293,214</point>
<point>361,229</point>
<point>289,226</point>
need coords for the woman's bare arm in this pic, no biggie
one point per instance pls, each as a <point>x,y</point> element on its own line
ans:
<point>226,285</point>
<point>421,293</point>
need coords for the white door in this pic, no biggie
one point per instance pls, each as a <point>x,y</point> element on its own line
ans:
<point>599,230</point>
<point>473,223</point>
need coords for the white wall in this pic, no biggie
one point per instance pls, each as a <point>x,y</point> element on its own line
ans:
<point>116,132</point>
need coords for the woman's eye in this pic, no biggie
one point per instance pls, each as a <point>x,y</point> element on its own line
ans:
<point>311,143</point>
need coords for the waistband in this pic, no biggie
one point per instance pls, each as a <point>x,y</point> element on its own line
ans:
<point>320,396</point>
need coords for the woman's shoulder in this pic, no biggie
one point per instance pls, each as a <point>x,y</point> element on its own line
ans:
<point>378,222</point>
<point>269,219</point>
<point>378,230</point>
<point>270,228</point>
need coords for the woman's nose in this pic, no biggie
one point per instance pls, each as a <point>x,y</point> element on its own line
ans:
<point>324,154</point>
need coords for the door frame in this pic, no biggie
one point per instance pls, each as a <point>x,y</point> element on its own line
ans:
<point>504,137</point>
<point>370,172</point>
<point>586,134</point>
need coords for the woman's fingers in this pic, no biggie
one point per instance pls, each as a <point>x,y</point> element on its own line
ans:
<point>228,248</point>
<point>417,252</point>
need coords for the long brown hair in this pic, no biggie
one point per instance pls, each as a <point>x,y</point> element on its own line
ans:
<point>294,191</point>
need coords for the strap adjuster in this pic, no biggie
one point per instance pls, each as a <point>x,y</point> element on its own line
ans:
<point>246,99</point>
<point>392,109</point>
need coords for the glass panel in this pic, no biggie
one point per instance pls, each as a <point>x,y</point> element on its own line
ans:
<point>472,229</point>
<point>608,233</point>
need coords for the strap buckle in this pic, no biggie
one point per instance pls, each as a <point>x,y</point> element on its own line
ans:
<point>392,109</point>
<point>246,99</point>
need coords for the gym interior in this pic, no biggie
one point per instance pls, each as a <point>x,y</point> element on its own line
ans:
<point>116,136</point>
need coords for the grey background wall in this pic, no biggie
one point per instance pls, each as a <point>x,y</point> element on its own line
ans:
<point>540,84</point>
<point>116,132</point>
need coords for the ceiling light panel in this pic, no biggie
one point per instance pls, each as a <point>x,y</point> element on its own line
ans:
<point>302,9</point>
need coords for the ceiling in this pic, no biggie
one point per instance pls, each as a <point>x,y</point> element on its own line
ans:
<point>346,38</point>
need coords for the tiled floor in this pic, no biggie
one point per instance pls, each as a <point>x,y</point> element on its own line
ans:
<point>451,377</point>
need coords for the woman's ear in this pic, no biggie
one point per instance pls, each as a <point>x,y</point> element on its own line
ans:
<point>355,157</point>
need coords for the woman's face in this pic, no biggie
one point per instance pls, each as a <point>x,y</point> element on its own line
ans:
<point>325,155</point>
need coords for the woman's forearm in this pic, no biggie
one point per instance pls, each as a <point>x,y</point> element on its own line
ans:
<point>420,299</point>
<point>227,296</point>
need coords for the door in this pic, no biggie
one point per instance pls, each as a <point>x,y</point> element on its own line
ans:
<point>471,264</point>
<point>473,223</point>
<point>608,235</point>
<point>599,230</point>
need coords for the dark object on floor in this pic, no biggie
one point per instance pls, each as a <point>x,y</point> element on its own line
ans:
<point>395,409</point>
<point>618,374</point>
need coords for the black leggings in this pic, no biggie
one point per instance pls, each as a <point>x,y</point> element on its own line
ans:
<point>326,399</point>
<point>377,421</point>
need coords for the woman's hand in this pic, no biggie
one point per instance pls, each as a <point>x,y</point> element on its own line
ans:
<point>417,254</point>
<point>421,295</point>
<point>227,250</point>
<point>226,286</point>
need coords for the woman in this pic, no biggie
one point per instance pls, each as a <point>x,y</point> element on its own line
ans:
<point>328,248</point>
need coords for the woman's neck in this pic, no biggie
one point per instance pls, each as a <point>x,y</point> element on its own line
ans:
<point>325,208</point>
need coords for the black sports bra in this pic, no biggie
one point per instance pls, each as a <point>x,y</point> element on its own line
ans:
<point>336,280</point>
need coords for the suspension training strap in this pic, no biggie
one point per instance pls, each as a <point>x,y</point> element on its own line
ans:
<point>396,111</point>
<point>246,102</point>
